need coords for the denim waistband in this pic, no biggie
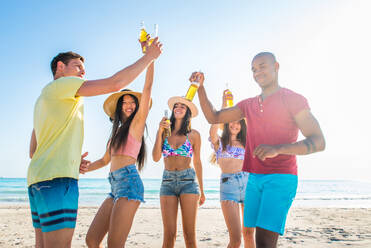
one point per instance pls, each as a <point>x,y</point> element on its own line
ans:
<point>124,170</point>
<point>179,173</point>
<point>237,174</point>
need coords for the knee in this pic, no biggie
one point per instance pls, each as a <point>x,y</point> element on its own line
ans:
<point>261,243</point>
<point>264,243</point>
<point>115,243</point>
<point>169,237</point>
<point>248,232</point>
<point>234,239</point>
<point>235,243</point>
<point>92,243</point>
<point>190,239</point>
<point>265,238</point>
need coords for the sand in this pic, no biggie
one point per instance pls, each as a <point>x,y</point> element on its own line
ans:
<point>306,227</point>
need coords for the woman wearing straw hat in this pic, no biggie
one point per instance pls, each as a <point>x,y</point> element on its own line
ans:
<point>229,151</point>
<point>179,183</point>
<point>128,111</point>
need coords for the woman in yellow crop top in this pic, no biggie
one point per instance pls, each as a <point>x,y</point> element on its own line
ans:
<point>179,183</point>
<point>128,111</point>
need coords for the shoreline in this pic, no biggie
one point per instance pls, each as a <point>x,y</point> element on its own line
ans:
<point>305,227</point>
<point>6,205</point>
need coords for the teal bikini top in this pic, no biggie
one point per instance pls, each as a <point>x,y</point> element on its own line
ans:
<point>184,150</point>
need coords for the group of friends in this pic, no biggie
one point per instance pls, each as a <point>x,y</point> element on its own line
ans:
<point>256,153</point>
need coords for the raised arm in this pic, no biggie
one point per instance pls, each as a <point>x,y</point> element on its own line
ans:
<point>122,78</point>
<point>33,144</point>
<point>314,140</point>
<point>211,115</point>
<point>196,145</point>
<point>139,121</point>
<point>157,148</point>
<point>214,137</point>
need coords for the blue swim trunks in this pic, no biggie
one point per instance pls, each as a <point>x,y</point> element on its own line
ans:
<point>54,204</point>
<point>268,200</point>
<point>126,182</point>
<point>232,186</point>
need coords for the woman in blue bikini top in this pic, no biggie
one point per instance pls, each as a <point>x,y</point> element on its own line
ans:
<point>229,151</point>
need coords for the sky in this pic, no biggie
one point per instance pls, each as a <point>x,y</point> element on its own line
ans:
<point>323,48</point>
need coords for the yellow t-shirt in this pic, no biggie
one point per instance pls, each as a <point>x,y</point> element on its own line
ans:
<point>59,130</point>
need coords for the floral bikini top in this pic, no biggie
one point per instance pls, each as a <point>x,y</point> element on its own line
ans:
<point>230,151</point>
<point>184,150</point>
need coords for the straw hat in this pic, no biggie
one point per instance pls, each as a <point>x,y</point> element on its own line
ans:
<point>188,103</point>
<point>110,103</point>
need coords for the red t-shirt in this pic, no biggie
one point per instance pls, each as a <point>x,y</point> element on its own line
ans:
<point>271,122</point>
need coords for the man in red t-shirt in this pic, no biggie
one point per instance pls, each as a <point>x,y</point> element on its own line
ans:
<point>273,121</point>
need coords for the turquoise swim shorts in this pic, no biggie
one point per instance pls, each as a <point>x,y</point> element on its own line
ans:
<point>268,200</point>
<point>54,204</point>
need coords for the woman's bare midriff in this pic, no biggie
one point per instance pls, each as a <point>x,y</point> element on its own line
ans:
<point>121,161</point>
<point>230,165</point>
<point>177,163</point>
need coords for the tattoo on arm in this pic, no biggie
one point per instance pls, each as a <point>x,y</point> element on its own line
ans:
<point>306,143</point>
<point>314,148</point>
<point>311,146</point>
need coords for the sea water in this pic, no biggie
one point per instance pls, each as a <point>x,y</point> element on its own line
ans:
<point>310,193</point>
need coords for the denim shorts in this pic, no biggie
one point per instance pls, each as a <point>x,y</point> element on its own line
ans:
<point>268,200</point>
<point>126,182</point>
<point>232,186</point>
<point>175,183</point>
<point>54,204</point>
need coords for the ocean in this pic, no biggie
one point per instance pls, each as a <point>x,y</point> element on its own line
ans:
<point>311,193</point>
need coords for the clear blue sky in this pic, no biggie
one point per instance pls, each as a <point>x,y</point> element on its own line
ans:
<point>322,47</point>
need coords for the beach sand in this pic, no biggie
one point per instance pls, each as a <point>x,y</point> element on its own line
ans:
<point>306,227</point>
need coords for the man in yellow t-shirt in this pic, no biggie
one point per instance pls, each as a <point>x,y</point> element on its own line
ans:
<point>57,139</point>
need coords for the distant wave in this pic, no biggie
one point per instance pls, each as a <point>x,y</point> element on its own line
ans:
<point>334,198</point>
<point>14,199</point>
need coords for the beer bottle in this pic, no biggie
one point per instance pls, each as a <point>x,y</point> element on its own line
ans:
<point>167,130</point>
<point>229,97</point>
<point>192,90</point>
<point>143,35</point>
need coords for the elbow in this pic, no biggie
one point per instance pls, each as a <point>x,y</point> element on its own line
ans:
<point>105,161</point>
<point>322,145</point>
<point>117,84</point>
<point>319,143</point>
<point>155,157</point>
<point>198,165</point>
<point>31,155</point>
<point>211,120</point>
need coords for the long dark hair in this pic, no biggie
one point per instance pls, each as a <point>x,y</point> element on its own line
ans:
<point>241,136</point>
<point>120,130</point>
<point>225,139</point>
<point>185,127</point>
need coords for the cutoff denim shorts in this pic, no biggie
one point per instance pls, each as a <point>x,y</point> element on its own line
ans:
<point>126,182</point>
<point>232,186</point>
<point>175,183</point>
